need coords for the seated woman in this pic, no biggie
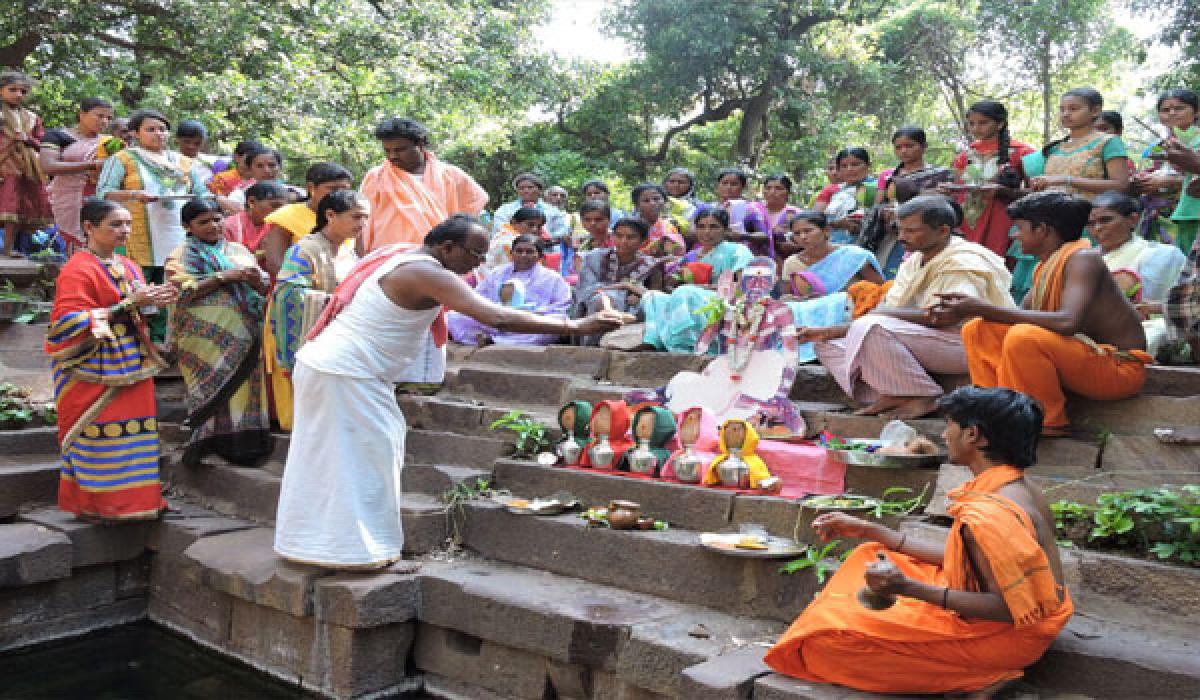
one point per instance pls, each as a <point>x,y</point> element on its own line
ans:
<point>767,223</point>
<point>216,329</point>
<point>591,190</point>
<point>311,270</point>
<point>680,185</point>
<point>618,276</point>
<point>525,221</point>
<point>594,218</point>
<point>523,283</point>
<point>650,202</point>
<point>671,320</point>
<point>1157,266</point>
<point>815,279</point>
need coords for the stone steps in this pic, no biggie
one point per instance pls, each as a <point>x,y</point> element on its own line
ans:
<point>27,479</point>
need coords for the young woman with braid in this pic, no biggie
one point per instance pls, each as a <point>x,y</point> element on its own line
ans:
<point>991,165</point>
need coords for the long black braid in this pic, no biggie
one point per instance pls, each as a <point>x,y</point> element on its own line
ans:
<point>997,112</point>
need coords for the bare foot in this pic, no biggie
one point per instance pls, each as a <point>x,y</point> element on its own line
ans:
<point>917,407</point>
<point>403,566</point>
<point>885,403</point>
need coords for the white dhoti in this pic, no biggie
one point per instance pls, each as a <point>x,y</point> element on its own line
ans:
<point>339,505</point>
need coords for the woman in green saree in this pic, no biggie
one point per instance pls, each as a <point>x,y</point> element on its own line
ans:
<point>216,330</point>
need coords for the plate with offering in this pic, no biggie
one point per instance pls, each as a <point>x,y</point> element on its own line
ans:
<point>751,546</point>
<point>549,505</point>
<point>844,502</point>
<point>917,453</point>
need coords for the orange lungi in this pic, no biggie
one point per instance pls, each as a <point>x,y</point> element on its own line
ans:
<point>1040,362</point>
<point>916,647</point>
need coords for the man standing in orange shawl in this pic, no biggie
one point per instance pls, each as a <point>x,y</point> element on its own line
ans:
<point>966,616</point>
<point>413,191</point>
<point>1075,330</point>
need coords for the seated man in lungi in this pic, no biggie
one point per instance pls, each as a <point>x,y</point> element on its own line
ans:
<point>903,615</point>
<point>1075,330</point>
<point>885,357</point>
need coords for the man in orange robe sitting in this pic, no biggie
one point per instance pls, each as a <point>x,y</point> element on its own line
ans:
<point>413,191</point>
<point>1076,330</point>
<point>968,616</point>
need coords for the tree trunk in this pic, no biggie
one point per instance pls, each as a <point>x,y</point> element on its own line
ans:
<point>13,55</point>
<point>753,117</point>
<point>1047,87</point>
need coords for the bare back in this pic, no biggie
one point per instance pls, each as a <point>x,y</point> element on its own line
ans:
<point>1103,312</point>
<point>1030,499</point>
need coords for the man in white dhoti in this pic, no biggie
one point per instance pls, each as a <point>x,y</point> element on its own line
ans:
<point>884,359</point>
<point>339,505</point>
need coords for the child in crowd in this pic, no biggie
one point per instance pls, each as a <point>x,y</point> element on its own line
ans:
<point>24,204</point>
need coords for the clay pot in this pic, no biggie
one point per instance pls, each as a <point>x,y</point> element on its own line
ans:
<point>623,515</point>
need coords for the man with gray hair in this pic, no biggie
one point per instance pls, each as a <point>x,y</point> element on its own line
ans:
<point>884,359</point>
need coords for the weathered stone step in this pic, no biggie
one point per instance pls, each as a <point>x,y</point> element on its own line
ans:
<point>441,447</point>
<point>253,494</point>
<point>92,544</point>
<point>29,441</point>
<point>435,480</point>
<point>27,479</point>
<point>444,412</point>
<point>31,553</point>
<point>684,505</point>
<point>512,630</point>
<point>670,564</point>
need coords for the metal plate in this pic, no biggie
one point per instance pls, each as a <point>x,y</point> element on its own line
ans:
<point>777,548</point>
<point>875,459</point>
<point>868,505</point>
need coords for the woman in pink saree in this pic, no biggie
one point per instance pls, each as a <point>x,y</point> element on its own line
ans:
<point>73,157</point>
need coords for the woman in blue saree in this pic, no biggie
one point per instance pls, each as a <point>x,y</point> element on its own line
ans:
<point>671,320</point>
<point>814,280</point>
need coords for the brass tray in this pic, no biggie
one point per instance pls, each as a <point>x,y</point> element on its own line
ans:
<point>777,547</point>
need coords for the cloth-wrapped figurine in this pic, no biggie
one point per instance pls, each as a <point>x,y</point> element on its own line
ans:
<point>573,420</point>
<point>609,427</point>
<point>738,434</point>
<point>697,431</point>
<point>655,425</point>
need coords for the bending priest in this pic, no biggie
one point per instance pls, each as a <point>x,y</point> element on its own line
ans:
<point>968,616</point>
<point>340,501</point>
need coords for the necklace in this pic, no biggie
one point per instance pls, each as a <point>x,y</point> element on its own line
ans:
<point>111,259</point>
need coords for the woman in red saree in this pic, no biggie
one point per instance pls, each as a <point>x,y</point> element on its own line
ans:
<point>103,362</point>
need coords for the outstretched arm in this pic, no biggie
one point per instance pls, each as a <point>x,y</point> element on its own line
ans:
<point>427,285</point>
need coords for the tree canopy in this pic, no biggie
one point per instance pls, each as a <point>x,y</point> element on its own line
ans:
<point>771,85</point>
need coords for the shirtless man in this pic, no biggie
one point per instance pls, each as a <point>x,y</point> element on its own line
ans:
<point>1000,564</point>
<point>1075,330</point>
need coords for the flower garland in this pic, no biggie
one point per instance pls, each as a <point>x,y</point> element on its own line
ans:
<point>744,325</point>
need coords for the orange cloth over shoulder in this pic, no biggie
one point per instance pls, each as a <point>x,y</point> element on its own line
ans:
<point>404,207</point>
<point>915,647</point>
<point>1050,275</point>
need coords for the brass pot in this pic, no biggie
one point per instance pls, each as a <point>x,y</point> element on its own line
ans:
<point>623,515</point>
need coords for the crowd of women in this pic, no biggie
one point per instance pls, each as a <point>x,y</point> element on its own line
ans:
<point>219,264</point>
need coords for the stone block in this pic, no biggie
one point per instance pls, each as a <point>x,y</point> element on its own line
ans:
<point>435,479</point>
<point>437,447</point>
<point>506,671</point>
<point>780,516</point>
<point>850,425</point>
<point>363,662</point>
<point>281,643</point>
<point>1145,584</point>
<point>32,554</point>
<point>180,600</point>
<point>682,505</point>
<point>669,564</point>
<point>729,676</point>
<point>133,577</point>
<point>367,600</point>
<point>36,481</point>
<point>436,686</point>
<point>17,635</point>
<point>1139,415</point>
<point>93,544</point>
<point>873,481</point>
<point>594,392</point>
<point>1162,464</point>
<point>31,441</point>
<point>244,565</point>
<point>172,535</point>
<point>516,387</point>
<point>241,492</point>
<point>774,686</point>
<point>425,525</point>
<point>1067,457</point>
<point>569,681</point>
<point>608,686</point>
<point>562,619</point>
<point>652,369</point>
<point>440,413</point>
<point>21,346</point>
<point>84,590</point>
<point>658,651</point>
<point>815,384</point>
<point>1162,380</point>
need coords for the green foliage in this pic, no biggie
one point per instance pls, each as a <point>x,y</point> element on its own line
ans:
<point>1163,521</point>
<point>15,407</point>
<point>532,436</point>
<point>890,505</point>
<point>818,558</point>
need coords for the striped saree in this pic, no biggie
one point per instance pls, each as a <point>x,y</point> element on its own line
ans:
<point>103,364</point>
<point>218,338</point>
